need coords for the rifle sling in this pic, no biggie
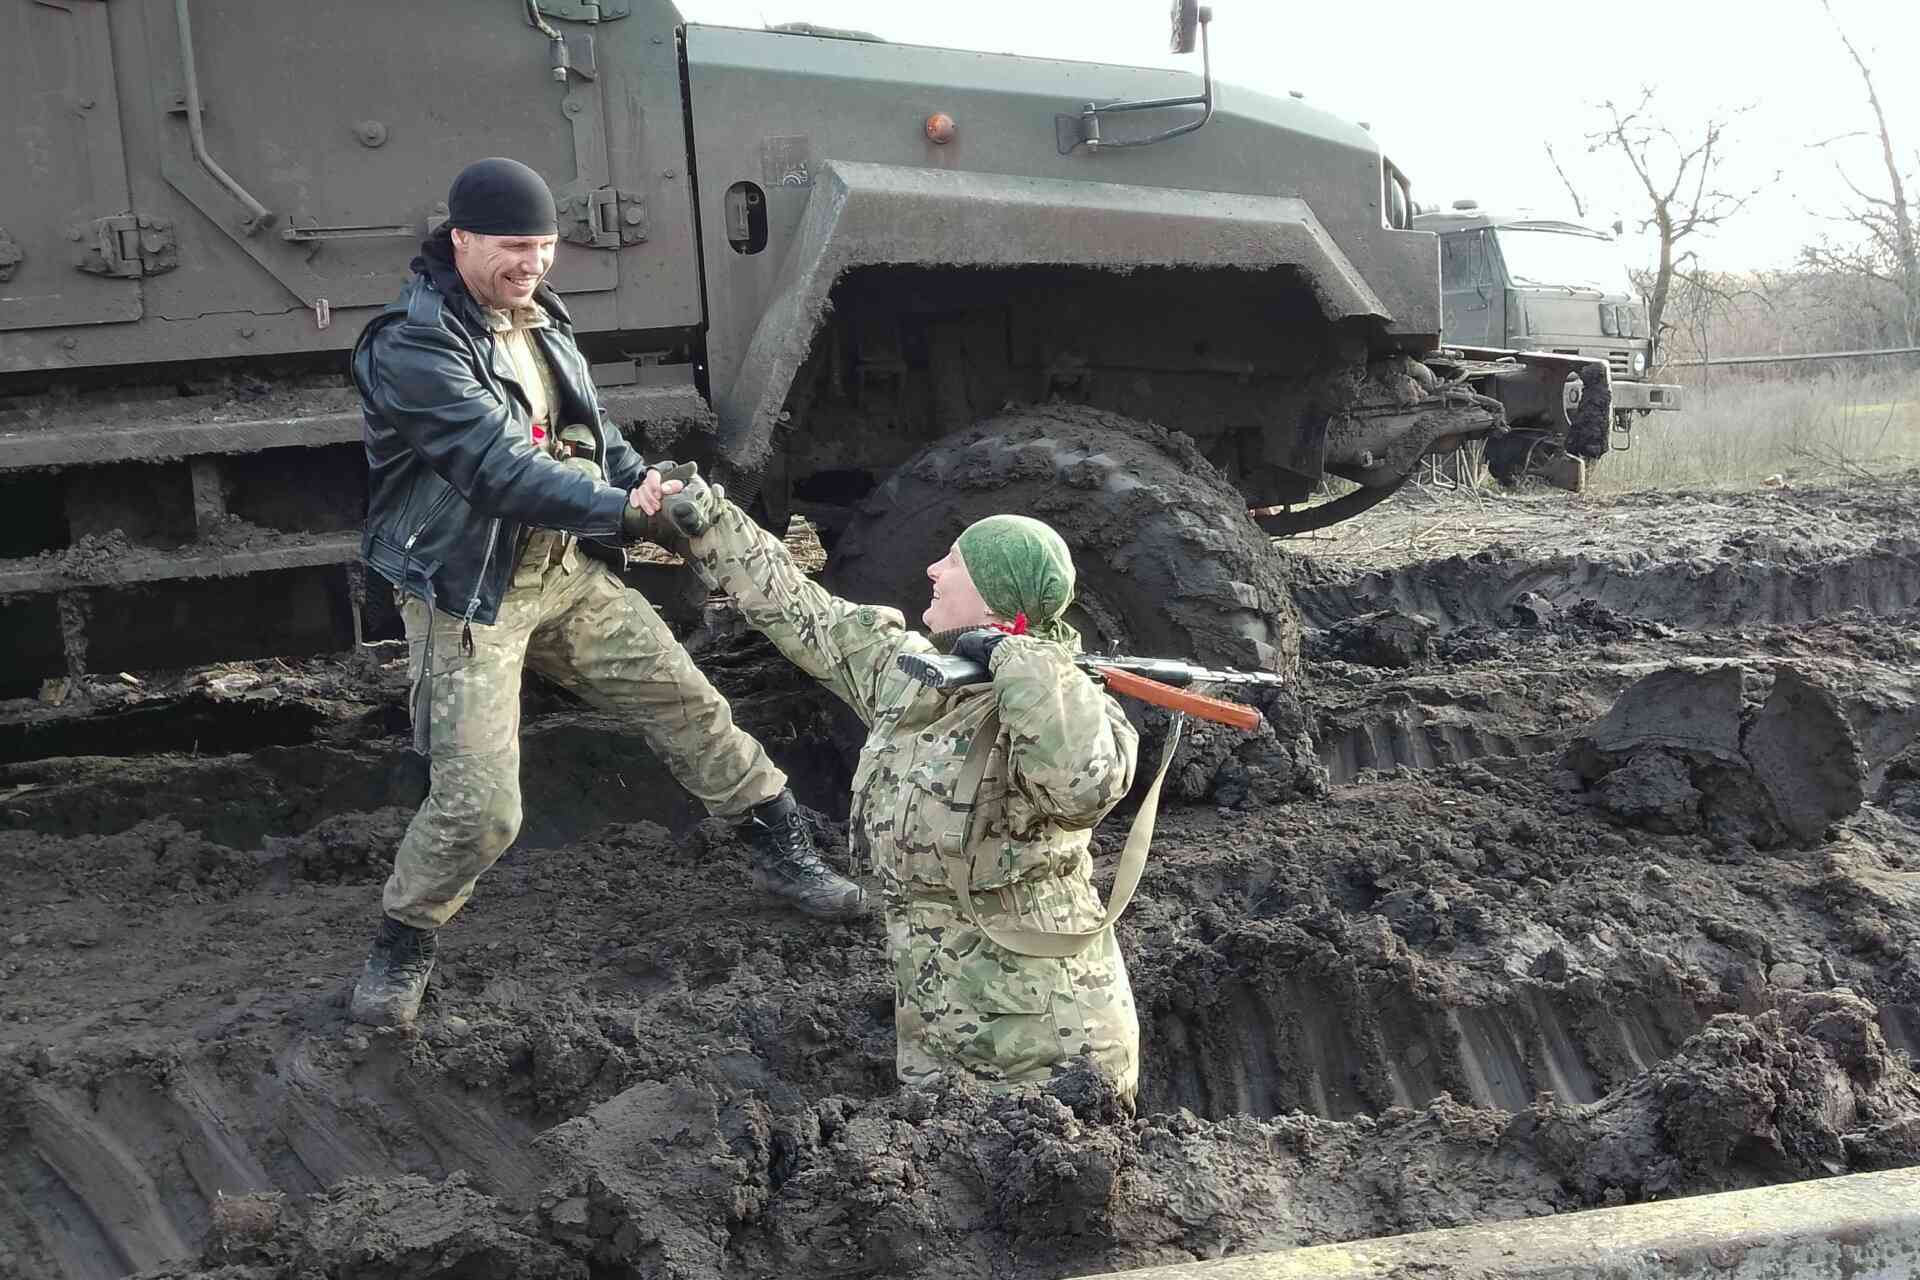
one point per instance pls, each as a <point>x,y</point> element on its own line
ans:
<point>1046,943</point>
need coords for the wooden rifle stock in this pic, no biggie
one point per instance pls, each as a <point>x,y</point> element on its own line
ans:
<point>946,671</point>
<point>1129,685</point>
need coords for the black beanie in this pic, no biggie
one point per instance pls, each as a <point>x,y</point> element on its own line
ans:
<point>501,197</point>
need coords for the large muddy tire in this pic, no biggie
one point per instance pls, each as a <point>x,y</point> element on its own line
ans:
<point>1168,561</point>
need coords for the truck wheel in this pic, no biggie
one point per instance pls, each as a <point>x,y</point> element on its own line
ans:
<point>1168,561</point>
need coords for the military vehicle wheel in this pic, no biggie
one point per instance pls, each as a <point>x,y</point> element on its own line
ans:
<point>1169,562</point>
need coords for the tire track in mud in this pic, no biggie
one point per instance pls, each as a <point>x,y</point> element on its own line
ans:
<point>1882,580</point>
<point>1430,722</point>
<point>1427,722</point>
<point>136,1157</point>
<point>1322,1034</point>
<point>1749,605</point>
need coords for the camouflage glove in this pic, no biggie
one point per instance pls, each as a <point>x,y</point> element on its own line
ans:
<point>636,525</point>
<point>693,510</point>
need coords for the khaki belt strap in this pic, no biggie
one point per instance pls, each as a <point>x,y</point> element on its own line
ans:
<point>1046,943</point>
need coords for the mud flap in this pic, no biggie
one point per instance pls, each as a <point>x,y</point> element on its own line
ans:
<point>1591,419</point>
<point>867,214</point>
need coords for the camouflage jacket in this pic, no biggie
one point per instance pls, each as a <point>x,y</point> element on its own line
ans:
<point>1065,754</point>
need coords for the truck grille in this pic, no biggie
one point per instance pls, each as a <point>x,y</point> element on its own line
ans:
<point>1619,363</point>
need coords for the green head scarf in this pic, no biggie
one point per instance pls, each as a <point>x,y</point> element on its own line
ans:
<point>1020,565</point>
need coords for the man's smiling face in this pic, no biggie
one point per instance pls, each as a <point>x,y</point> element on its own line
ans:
<point>502,271</point>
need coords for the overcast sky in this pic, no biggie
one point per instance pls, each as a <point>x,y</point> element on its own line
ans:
<point>1464,104</point>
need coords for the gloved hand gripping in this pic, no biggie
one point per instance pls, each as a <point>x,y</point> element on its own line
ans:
<point>693,510</point>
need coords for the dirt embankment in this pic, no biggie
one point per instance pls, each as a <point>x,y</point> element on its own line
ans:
<point>1540,904</point>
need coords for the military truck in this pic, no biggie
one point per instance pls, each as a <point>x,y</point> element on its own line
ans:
<point>889,288</point>
<point>1517,282</point>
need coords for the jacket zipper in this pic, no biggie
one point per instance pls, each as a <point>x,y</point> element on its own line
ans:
<point>406,558</point>
<point>433,512</point>
<point>479,585</point>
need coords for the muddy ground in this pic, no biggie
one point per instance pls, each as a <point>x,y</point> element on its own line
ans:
<point>1464,934</point>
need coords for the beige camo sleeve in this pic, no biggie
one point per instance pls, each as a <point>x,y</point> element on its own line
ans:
<point>848,647</point>
<point>1072,750</point>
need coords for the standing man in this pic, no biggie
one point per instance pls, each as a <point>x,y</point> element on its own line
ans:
<point>496,485</point>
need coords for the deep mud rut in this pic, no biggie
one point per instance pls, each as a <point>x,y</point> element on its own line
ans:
<point>1401,963</point>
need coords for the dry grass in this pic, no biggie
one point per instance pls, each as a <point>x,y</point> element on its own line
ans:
<point>803,543</point>
<point>1739,433</point>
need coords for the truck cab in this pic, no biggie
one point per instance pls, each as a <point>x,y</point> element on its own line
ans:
<point>1544,284</point>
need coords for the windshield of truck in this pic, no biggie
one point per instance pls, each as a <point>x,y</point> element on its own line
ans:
<point>1563,260</point>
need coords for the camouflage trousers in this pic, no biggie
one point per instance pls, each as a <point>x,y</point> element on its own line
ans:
<point>961,1001</point>
<point>581,627</point>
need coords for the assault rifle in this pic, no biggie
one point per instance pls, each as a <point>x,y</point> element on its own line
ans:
<point>1161,681</point>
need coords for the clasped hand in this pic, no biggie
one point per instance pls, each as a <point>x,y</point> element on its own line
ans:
<point>689,516</point>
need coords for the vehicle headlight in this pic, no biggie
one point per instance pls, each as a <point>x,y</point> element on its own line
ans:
<point>1639,362</point>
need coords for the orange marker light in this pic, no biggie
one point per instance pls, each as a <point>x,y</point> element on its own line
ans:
<point>940,128</point>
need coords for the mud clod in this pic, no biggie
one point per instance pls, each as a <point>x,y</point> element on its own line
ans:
<point>659,1176</point>
<point>1386,638</point>
<point>1802,1091</point>
<point>345,848</point>
<point>1653,790</point>
<point>1680,752</point>
<point>1275,763</point>
<point>404,1228</point>
<point>1534,610</point>
<point>1899,791</point>
<point>1805,755</point>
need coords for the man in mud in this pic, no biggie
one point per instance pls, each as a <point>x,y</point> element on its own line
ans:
<point>497,486</point>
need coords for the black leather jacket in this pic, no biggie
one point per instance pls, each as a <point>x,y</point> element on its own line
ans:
<point>454,486</point>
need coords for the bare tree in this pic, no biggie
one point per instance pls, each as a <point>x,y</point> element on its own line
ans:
<point>1680,176</point>
<point>1579,205</point>
<point>1704,308</point>
<point>1883,245</point>
<point>1785,312</point>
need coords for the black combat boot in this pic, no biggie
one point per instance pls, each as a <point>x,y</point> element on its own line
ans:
<point>786,865</point>
<point>390,987</point>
